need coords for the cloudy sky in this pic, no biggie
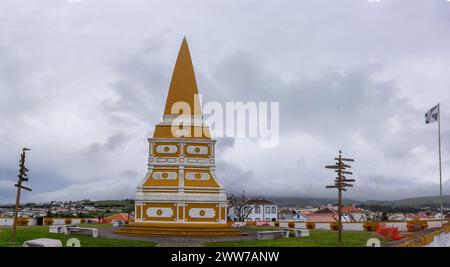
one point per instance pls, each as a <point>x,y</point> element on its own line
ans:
<point>83,82</point>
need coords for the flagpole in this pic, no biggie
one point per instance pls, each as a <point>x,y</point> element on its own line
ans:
<point>440,164</point>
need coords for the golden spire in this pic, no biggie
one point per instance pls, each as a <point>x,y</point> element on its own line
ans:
<point>183,86</point>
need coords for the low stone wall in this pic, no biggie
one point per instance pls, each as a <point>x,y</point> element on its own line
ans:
<point>402,226</point>
<point>440,240</point>
<point>347,226</point>
<point>323,226</point>
<point>432,237</point>
<point>352,227</point>
<point>8,221</point>
<point>62,221</point>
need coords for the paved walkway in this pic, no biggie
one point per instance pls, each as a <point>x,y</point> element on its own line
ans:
<point>177,241</point>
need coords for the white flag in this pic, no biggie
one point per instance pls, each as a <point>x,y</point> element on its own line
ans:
<point>432,114</point>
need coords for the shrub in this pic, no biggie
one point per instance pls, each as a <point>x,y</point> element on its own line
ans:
<point>277,224</point>
<point>68,220</point>
<point>291,224</point>
<point>416,225</point>
<point>334,226</point>
<point>48,221</point>
<point>370,225</point>
<point>412,226</point>
<point>424,225</point>
<point>310,225</point>
<point>22,221</point>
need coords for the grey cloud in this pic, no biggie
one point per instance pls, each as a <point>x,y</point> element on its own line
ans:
<point>39,181</point>
<point>85,89</point>
<point>112,143</point>
<point>129,174</point>
<point>223,144</point>
<point>142,85</point>
<point>396,187</point>
<point>233,177</point>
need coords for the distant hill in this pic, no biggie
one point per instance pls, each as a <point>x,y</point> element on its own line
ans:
<point>417,202</point>
<point>303,202</point>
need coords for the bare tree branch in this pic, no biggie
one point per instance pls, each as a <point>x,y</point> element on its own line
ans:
<point>242,206</point>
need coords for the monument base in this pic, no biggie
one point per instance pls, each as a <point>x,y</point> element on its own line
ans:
<point>178,229</point>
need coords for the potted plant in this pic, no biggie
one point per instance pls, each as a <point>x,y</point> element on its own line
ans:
<point>334,226</point>
<point>310,225</point>
<point>370,225</point>
<point>423,225</point>
<point>22,221</point>
<point>416,225</point>
<point>48,221</point>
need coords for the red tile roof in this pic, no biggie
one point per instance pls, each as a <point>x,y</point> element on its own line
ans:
<point>325,211</point>
<point>351,209</point>
<point>116,217</point>
<point>321,217</point>
<point>258,201</point>
<point>417,217</point>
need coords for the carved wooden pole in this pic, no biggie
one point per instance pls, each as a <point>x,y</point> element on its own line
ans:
<point>22,178</point>
<point>340,182</point>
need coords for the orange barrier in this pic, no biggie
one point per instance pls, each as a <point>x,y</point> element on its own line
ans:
<point>389,232</point>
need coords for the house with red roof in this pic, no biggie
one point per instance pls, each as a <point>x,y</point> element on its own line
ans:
<point>117,217</point>
<point>330,214</point>
<point>415,217</point>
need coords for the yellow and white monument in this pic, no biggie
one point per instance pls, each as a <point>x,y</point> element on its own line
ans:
<point>181,195</point>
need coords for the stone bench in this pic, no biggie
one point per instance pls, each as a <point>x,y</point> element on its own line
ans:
<point>119,223</point>
<point>79,230</point>
<point>43,242</point>
<point>57,229</point>
<point>268,235</point>
<point>299,232</point>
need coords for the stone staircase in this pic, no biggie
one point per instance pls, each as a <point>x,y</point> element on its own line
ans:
<point>161,229</point>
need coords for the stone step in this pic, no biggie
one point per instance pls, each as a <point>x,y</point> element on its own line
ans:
<point>180,225</point>
<point>131,228</point>
<point>168,233</point>
<point>167,229</point>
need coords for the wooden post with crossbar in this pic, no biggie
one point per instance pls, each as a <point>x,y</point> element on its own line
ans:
<point>341,182</point>
<point>22,178</point>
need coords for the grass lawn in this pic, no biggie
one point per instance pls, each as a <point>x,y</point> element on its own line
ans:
<point>25,233</point>
<point>317,238</point>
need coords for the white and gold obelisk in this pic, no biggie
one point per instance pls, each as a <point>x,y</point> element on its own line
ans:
<point>181,193</point>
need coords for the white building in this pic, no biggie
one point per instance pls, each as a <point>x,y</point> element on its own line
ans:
<point>355,214</point>
<point>397,217</point>
<point>258,209</point>
<point>287,214</point>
